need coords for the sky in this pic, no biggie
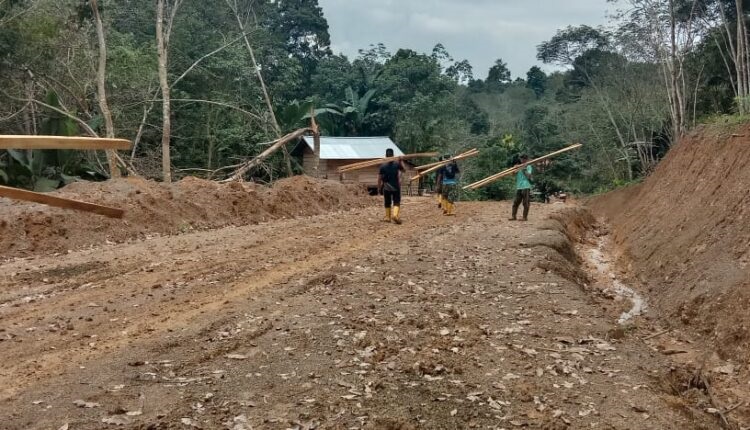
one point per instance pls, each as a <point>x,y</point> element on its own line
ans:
<point>480,31</point>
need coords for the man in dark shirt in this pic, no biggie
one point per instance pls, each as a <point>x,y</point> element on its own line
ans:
<point>448,175</point>
<point>389,184</point>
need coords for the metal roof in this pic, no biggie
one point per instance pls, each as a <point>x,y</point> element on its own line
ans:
<point>353,148</point>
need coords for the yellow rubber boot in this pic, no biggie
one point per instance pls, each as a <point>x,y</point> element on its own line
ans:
<point>397,214</point>
<point>387,215</point>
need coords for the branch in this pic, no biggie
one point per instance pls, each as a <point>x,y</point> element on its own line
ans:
<point>172,14</point>
<point>80,122</point>
<point>210,54</point>
<point>13,115</point>
<point>226,105</point>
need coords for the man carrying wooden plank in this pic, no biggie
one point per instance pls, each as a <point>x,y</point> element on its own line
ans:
<point>389,184</point>
<point>448,178</point>
<point>439,185</point>
<point>523,189</point>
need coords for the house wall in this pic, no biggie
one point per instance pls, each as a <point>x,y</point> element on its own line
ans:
<point>368,177</point>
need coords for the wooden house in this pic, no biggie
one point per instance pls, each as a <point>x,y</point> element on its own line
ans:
<point>335,152</point>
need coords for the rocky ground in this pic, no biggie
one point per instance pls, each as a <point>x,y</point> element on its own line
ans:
<point>338,321</point>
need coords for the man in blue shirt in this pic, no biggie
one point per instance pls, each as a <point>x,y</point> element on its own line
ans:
<point>523,189</point>
<point>448,177</point>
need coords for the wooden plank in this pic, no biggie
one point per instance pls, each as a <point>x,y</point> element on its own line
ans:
<point>59,202</point>
<point>377,161</point>
<point>61,142</point>
<point>442,162</point>
<point>512,170</point>
<point>438,165</point>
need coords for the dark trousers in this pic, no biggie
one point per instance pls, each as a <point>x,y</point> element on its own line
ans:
<point>392,198</point>
<point>522,196</point>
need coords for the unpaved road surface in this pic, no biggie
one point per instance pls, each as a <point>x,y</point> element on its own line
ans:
<point>337,322</point>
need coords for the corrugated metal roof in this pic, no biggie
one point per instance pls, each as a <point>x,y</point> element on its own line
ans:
<point>353,148</point>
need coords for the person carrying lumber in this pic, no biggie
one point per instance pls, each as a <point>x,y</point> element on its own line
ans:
<point>448,178</point>
<point>439,185</point>
<point>523,189</point>
<point>389,184</point>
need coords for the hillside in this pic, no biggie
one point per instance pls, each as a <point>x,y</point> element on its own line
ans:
<point>685,232</point>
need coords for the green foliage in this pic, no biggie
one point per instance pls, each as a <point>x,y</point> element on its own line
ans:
<point>536,80</point>
<point>610,93</point>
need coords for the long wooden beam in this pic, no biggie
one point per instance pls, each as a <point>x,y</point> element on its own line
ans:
<point>61,142</point>
<point>59,202</point>
<point>377,161</point>
<point>512,170</point>
<point>438,165</point>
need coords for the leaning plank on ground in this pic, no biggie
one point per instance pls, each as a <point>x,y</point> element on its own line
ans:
<point>61,142</point>
<point>59,202</point>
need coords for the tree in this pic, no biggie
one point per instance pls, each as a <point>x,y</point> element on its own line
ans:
<point>234,6</point>
<point>536,80</point>
<point>166,10</point>
<point>101,85</point>
<point>499,74</point>
<point>462,72</point>
<point>570,43</point>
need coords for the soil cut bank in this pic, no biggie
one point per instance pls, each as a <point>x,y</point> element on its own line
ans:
<point>154,208</point>
<point>685,234</point>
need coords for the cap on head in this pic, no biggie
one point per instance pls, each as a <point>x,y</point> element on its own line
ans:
<point>389,152</point>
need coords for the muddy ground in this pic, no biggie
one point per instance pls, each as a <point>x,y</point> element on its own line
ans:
<point>338,321</point>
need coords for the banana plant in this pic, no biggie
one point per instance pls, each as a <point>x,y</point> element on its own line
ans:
<point>353,110</point>
<point>296,113</point>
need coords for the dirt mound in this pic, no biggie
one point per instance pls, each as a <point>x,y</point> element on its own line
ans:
<point>157,209</point>
<point>686,233</point>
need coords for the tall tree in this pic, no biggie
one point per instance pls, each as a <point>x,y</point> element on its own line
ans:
<point>101,85</point>
<point>499,73</point>
<point>235,7</point>
<point>166,10</point>
<point>536,80</point>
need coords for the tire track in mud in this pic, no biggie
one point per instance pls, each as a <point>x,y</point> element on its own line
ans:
<point>168,292</point>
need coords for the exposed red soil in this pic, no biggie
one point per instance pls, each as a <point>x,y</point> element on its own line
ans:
<point>154,208</point>
<point>337,321</point>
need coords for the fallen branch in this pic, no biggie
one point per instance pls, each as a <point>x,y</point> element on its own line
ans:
<point>512,170</point>
<point>369,163</point>
<point>280,143</point>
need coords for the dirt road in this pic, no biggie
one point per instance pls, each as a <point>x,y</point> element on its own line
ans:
<point>337,322</point>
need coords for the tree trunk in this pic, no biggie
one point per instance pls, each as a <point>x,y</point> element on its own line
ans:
<point>101,80</point>
<point>161,44</point>
<point>257,161</point>
<point>677,110</point>
<point>263,87</point>
<point>743,72</point>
